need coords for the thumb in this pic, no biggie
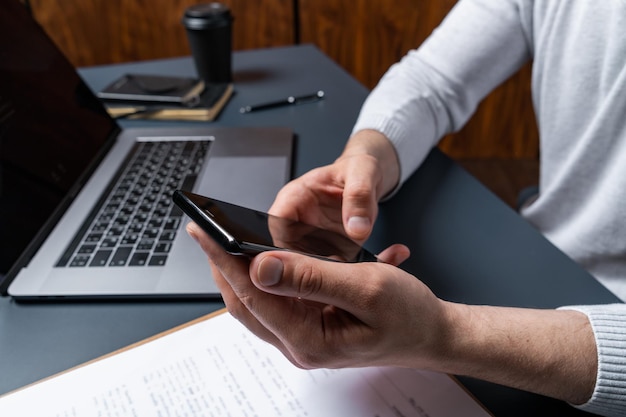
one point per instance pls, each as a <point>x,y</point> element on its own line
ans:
<point>300,276</point>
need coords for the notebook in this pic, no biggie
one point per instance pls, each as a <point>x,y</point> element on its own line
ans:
<point>85,206</point>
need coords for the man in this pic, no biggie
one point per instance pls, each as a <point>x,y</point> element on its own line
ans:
<point>319,315</point>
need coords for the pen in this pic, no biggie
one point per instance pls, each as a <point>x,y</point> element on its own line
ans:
<point>309,98</point>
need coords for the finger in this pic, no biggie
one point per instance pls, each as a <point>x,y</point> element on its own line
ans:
<point>229,272</point>
<point>242,314</point>
<point>314,198</point>
<point>283,205</point>
<point>234,267</point>
<point>360,200</point>
<point>355,288</point>
<point>232,299</point>
<point>394,254</point>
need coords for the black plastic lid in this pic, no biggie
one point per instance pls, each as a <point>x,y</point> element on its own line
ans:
<point>206,15</point>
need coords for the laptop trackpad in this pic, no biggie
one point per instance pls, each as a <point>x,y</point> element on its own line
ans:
<point>247,172</point>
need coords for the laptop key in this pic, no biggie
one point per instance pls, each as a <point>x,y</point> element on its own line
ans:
<point>109,242</point>
<point>94,237</point>
<point>121,256</point>
<point>86,249</point>
<point>79,260</point>
<point>157,260</point>
<point>150,233</point>
<point>163,247</point>
<point>139,259</point>
<point>101,257</point>
<point>171,224</point>
<point>167,236</point>
<point>130,239</point>
<point>145,245</point>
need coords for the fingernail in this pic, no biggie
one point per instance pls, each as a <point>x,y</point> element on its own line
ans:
<point>270,271</point>
<point>191,231</point>
<point>359,225</point>
<point>192,234</point>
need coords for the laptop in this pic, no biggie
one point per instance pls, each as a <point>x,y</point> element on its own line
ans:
<point>85,206</point>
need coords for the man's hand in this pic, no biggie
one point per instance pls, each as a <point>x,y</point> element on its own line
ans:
<point>344,196</point>
<point>329,314</point>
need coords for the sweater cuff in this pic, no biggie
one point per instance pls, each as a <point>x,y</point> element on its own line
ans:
<point>411,151</point>
<point>609,327</point>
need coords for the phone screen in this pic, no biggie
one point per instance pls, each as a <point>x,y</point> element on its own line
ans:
<point>245,231</point>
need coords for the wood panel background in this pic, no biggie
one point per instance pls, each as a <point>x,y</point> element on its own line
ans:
<point>95,32</point>
<point>363,36</point>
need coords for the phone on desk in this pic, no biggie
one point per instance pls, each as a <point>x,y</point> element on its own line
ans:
<point>243,231</point>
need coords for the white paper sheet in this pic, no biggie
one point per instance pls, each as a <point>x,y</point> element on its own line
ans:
<point>218,368</point>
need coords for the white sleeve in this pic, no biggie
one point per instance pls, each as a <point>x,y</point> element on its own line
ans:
<point>609,327</point>
<point>435,89</point>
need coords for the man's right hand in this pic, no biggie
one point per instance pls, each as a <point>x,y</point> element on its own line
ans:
<point>344,196</point>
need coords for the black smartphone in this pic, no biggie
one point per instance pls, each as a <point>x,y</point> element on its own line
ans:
<point>243,231</point>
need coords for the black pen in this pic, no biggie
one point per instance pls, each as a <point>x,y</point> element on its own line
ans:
<point>309,98</point>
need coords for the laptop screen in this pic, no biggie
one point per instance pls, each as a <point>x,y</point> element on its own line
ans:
<point>52,131</point>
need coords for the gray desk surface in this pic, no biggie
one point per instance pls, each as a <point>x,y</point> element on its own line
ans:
<point>466,244</point>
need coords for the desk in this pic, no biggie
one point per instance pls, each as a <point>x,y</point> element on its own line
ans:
<point>466,244</point>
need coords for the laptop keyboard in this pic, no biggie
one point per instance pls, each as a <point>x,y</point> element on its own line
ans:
<point>136,222</point>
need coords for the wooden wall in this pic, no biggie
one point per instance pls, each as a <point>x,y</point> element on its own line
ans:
<point>363,36</point>
<point>94,32</point>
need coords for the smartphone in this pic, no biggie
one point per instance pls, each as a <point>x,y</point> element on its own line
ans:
<point>154,88</point>
<point>243,231</point>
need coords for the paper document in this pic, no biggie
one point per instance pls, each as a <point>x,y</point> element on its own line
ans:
<point>216,367</point>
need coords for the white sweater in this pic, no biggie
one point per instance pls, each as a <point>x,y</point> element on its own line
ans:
<point>578,48</point>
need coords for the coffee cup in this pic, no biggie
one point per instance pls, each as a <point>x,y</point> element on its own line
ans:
<point>209,32</point>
